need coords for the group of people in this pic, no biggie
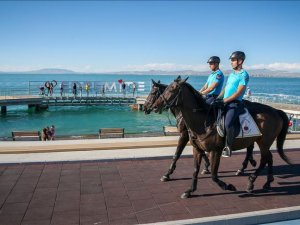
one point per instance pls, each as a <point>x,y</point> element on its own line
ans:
<point>49,86</point>
<point>133,86</point>
<point>231,96</point>
<point>48,133</point>
<point>87,87</point>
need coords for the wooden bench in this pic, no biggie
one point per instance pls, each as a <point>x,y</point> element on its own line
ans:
<point>111,133</point>
<point>170,131</point>
<point>26,135</point>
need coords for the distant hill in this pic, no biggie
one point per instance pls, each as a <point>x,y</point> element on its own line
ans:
<point>253,73</point>
<point>51,71</point>
<point>43,71</point>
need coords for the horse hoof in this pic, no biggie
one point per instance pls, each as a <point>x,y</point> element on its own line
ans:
<point>253,163</point>
<point>267,187</point>
<point>239,172</point>
<point>230,187</point>
<point>164,178</point>
<point>205,172</point>
<point>186,195</point>
<point>250,188</point>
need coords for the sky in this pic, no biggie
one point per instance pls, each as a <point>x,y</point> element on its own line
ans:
<point>106,36</point>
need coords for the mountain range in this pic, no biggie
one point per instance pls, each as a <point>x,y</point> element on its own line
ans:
<point>253,72</point>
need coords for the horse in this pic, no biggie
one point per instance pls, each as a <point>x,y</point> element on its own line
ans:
<point>156,91</point>
<point>271,122</point>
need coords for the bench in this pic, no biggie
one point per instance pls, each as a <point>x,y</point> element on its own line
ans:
<point>26,135</point>
<point>170,131</point>
<point>111,133</point>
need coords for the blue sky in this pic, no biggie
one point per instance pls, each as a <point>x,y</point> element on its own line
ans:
<point>104,36</point>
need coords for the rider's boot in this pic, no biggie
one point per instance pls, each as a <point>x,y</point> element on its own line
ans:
<point>227,150</point>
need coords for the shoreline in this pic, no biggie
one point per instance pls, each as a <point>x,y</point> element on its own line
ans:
<point>287,108</point>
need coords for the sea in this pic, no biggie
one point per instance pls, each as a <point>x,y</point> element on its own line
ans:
<point>85,120</point>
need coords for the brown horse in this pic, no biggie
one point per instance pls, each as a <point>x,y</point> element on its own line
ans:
<point>156,91</point>
<point>201,124</point>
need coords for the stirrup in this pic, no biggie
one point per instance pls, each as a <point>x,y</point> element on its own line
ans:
<point>226,152</point>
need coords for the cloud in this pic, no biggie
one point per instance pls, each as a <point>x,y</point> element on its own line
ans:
<point>166,67</point>
<point>276,66</point>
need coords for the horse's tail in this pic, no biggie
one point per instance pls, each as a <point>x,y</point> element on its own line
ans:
<point>282,135</point>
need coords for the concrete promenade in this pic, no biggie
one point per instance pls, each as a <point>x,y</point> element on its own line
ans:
<point>122,186</point>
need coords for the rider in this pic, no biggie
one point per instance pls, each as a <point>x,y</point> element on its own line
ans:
<point>232,96</point>
<point>214,83</point>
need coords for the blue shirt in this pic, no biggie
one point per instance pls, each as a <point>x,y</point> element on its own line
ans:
<point>218,77</point>
<point>235,80</point>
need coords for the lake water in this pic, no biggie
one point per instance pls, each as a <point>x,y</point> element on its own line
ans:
<point>88,119</point>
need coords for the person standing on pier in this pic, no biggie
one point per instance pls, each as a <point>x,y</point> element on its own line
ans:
<point>61,88</point>
<point>124,88</point>
<point>87,89</point>
<point>74,89</point>
<point>213,87</point>
<point>133,88</point>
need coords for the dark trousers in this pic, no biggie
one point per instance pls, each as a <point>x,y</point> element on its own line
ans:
<point>233,110</point>
<point>210,98</point>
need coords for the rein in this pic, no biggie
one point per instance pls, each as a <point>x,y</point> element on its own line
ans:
<point>173,102</point>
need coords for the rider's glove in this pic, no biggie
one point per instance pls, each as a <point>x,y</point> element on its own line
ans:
<point>218,103</point>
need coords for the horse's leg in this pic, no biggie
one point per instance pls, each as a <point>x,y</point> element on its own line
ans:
<point>197,162</point>
<point>207,163</point>
<point>215,162</point>
<point>248,158</point>
<point>270,177</point>
<point>183,140</point>
<point>263,162</point>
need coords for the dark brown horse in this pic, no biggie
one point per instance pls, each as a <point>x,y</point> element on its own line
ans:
<point>156,91</point>
<point>201,124</point>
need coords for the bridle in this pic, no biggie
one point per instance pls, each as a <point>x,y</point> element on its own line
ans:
<point>154,98</point>
<point>173,102</point>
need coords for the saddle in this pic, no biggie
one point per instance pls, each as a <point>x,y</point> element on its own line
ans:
<point>244,127</point>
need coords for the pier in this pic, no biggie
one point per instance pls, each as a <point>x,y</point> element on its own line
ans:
<point>42,102</point>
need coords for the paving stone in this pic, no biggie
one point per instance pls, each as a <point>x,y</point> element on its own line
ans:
<point>121,213</point>
<point>150,216</point>
<point>65,218</point>
<point>94,220</point>
<point>14,219</point>
<point>36,214</point>
<point>13,208</point>
<point>16,197</point>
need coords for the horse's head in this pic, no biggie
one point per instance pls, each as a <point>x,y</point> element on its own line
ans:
<point>170,97</point>
<point>156,90</point>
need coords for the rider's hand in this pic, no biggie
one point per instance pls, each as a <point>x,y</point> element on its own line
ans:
<point>219,103</point>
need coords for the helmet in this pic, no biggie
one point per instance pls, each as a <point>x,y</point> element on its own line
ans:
<point>213,59</point>
<point>238,55</point>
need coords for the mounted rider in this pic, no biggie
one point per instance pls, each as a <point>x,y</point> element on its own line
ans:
<point>213,86</point>
<point>232,96</point>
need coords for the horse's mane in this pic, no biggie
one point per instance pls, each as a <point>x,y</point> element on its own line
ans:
<point>197,95</point>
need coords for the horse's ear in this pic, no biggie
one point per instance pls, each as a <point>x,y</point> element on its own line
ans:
<point>183,81</point>
<point>153,82</point>
<point>178,78</point>
<point>158,81</point>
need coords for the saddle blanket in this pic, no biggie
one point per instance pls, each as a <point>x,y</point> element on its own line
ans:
<point>248,127</point>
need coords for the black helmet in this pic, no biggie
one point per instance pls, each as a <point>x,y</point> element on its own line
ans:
<point>238,55</point>
<point>214,59</point>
